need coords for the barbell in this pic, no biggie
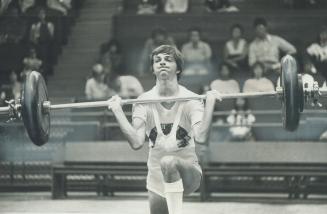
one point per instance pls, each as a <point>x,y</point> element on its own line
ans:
<point>34,106</point>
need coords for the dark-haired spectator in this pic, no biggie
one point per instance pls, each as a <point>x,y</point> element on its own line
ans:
<point>220,6</point>
<point>96,87</point>
<point>236,49</point>
<point>317,53</point>
<point>225,84</point>
<point>197,54</point>
<point>147,7</point>
<point>266,48</point>
<point>32,62</point>
<point>258,83</point>
<point>241,120</point>
<point>41,36</point>
<point>175,6</point>
<point>159,36</point>
<point>111,57</point>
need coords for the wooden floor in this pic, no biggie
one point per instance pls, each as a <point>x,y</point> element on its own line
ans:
<point>23,203</point>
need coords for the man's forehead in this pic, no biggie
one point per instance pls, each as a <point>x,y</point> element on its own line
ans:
<point>163,55</point>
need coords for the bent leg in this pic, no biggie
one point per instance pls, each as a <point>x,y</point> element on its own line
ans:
<point>158,204</point>
<point>174,168</point>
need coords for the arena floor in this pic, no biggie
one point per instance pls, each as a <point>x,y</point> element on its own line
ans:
<point>11,203</point>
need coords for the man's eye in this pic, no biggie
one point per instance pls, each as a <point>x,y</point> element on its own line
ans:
<point>156,59</point>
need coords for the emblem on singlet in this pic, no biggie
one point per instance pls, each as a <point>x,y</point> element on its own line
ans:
<point>181,135</point>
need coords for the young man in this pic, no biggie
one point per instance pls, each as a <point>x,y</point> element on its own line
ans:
<point>173,164</point>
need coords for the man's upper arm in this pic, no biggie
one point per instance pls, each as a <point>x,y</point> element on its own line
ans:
<point>139,126</point>
<point>286,46</point>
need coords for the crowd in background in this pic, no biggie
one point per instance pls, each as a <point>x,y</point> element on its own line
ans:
<point>32,33</point>
<point>35,30</point>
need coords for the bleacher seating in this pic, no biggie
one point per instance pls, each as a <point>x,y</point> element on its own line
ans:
<point>109,166</point>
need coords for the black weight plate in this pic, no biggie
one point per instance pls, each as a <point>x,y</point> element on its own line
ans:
<point>36,121</point>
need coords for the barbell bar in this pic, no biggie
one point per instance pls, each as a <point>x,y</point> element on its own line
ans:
<point>35,107</point>
<point>95,104</point>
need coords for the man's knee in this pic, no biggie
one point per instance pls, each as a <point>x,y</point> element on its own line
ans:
<point>169,167</point>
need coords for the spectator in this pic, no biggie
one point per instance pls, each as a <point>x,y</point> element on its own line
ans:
<point>159,36</point>
<point>176,6</point>
<point>241,120</point>
<point>147,7</point>
<point>129,87</point>
<point>25,5</point>
<point>317,54</point>
<point>258,83</point>
<point>236,50</point>
<point>32,62</point>
<point>220,6</point>
<point>225,84</point>
<point>13,90</point>
<point>197,54</point>
<point>266,48</point>
<point>61,5</point>
<point>111,57</point>
<point>96,88</point>
<point>41,36</point>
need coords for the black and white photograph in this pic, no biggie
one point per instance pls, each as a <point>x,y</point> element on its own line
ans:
<point>163,106</point>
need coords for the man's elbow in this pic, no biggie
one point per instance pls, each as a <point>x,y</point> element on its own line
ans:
<point>201,139</point>
<point>136,146</point>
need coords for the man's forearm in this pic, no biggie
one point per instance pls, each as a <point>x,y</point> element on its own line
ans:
<point>204,127</point>
<point>128,130</point>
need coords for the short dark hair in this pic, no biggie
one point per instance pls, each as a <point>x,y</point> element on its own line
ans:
<point>259,21</point>
<point>237,26</point>
<point>171,50</point>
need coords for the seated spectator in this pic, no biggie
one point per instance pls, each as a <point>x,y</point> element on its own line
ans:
<point>307,80</point>
<point>25,5</point>
<point>265,47</point>
<point>96,88</point>
<point>241,120</point>
<point>159,36</point>
<point>317,54</point>
<point>41,36</point>
<point>197,54</point>
<point>176,6</point>
<point>12,91</point>
<point>147,7</point>
<point>32,62</point>
<point>220,6</point>
<point>129,87</point>
<point>258,83</point>
<point>111,57</point>
<point>236,50</point>
<point>225,84</point>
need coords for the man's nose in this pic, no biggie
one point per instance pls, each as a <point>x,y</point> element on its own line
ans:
<point>162,63</point>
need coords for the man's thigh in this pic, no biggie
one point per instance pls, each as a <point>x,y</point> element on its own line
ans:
<point>158,204</point>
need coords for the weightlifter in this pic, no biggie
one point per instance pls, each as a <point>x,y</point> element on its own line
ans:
<point>172,129</point>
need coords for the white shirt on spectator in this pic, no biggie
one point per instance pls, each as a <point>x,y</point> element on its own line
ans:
<point>196,54</point>
<point>258,85</point>
<point>318,51</point>
<point>95,90</point>
<point>225,86</point>
<point>130,86</point>
<point>176,6</point>
<point>268,50</point>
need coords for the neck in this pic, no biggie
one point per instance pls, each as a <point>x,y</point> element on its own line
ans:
<point>167,88</point>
